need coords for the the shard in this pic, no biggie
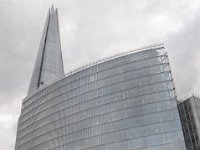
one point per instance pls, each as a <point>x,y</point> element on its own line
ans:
<point>49,63</point>
<point>124,102</point>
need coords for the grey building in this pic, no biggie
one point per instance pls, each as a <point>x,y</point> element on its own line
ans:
<point>189,110</point>
<point>124,102</point>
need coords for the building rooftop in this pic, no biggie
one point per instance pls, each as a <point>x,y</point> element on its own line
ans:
<point>146,48</point>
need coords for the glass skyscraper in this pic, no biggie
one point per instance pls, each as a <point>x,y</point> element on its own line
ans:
<point>124,102</point>
<point>189,110</point>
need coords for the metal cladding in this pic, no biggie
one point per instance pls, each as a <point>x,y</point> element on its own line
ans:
<point>49,63</point>
<point>126,102</point>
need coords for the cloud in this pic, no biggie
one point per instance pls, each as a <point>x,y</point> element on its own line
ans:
<point>93,29</point>
<point>184,48</point>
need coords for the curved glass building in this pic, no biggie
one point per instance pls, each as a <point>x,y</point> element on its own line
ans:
<point>125,102</point>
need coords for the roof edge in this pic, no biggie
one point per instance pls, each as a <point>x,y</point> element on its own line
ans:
<point>137,50</point>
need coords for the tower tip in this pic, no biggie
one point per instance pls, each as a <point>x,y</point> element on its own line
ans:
<point>49,63</point>
<point>52,8</point>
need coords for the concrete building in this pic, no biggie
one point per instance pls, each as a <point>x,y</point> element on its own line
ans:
<point>124,102</point>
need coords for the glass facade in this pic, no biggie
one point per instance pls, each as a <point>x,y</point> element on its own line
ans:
<point>49,63</point>
<point>123,103</point>
<point>189,114</point>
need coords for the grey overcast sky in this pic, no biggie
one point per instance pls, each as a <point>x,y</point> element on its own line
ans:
<point>90,30</point>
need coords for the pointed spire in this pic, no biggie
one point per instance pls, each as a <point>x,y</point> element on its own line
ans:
<point>52,8</point>
<point>49,63</point>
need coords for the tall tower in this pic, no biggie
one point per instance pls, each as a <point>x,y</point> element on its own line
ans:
<point>49,63</point>
<point>125,102</point>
